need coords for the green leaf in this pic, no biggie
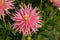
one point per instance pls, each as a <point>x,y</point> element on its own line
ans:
<point>9,38</point>
<point>3,34</point>
<point>24,38</point>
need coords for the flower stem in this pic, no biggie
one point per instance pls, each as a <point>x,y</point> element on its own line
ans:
<point>4,23</point>
<point>29,38</point>
<point>41,4</point>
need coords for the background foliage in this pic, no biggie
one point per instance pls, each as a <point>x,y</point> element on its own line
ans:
<point>50,22</point>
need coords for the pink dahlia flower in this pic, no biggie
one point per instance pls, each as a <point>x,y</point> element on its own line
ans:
<point>4,6</point>
<point>56,3</point>
<point>27,20</point>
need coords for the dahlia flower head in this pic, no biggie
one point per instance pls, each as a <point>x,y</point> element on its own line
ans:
<point>4,6</point>
<point>27,20</point>
<point>56,3</point>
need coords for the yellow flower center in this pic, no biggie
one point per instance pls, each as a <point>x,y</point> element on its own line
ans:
<point>54,1</point>
<point>26,18</point>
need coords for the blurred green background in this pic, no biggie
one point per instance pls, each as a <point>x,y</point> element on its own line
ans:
<point>50,22</point>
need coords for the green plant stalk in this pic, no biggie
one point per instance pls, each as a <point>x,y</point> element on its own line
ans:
<point>29,37</point>
<point>4,23</point>
<point>41,5</point>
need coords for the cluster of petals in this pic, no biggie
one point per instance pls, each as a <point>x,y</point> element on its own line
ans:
<point>27,20</point>
<point>4,6</point>
<point>56,3</point>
